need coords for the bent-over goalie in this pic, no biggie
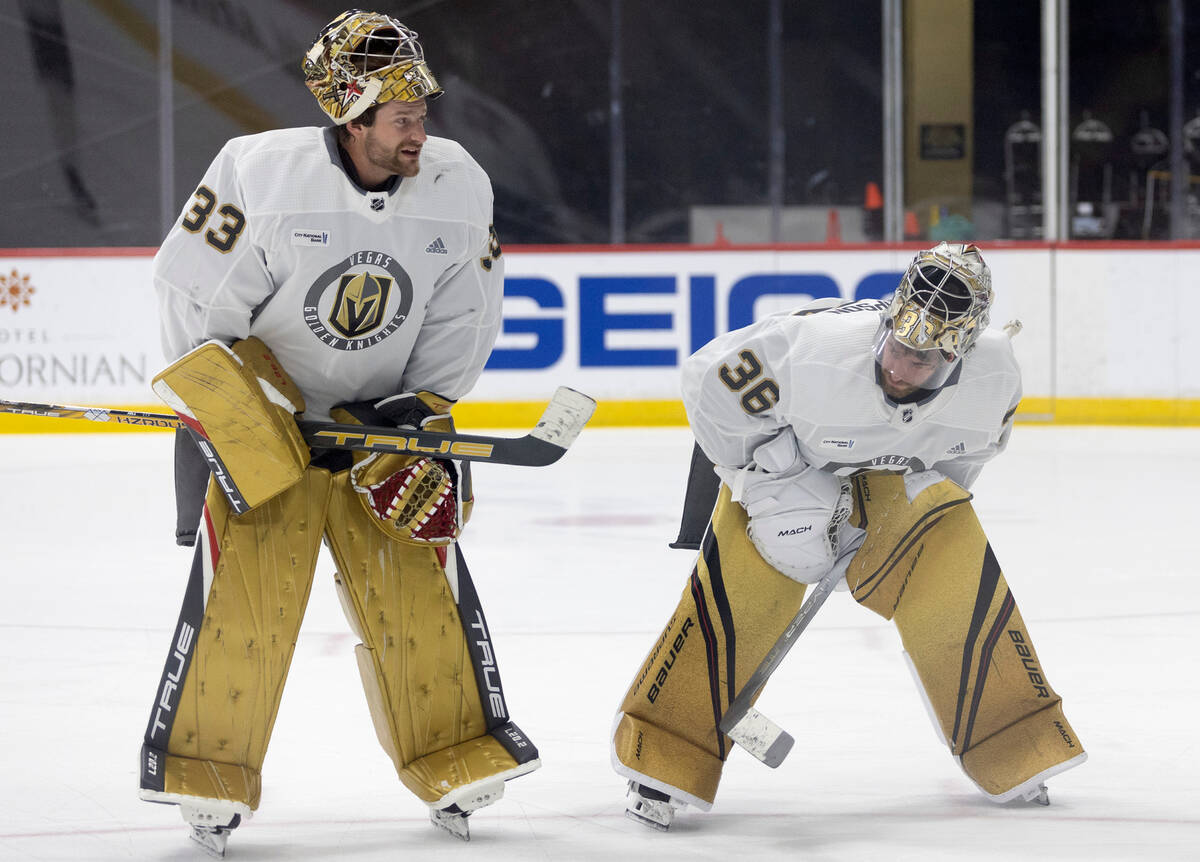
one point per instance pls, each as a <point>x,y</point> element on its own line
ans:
<point>844,438</point>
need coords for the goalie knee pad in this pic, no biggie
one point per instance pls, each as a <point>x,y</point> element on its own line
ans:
<point>241,407</point>
<point>927,565</point>
<point>731,612</point>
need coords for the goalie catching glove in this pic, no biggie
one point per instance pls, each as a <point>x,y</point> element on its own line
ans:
<point>411,498</point>
<point>797,513</point>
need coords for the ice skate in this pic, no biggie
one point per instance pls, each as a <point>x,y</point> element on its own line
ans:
<point>210,827</point>
<point>650,807</point>
<point>1037,795</point>
<point>467,800</point>
<point>453,820</point>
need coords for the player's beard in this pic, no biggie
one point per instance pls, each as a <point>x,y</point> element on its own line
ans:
<point>394,161</point>
<point>895,390</point>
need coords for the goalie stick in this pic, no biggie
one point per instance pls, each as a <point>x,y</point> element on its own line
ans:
<point>744,724</point>
<point>562,420</point>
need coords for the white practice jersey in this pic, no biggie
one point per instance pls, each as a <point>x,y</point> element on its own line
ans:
<point>360,295</point>
<point>816,372</point>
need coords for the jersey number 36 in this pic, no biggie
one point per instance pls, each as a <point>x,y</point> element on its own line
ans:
<point>759,396</point>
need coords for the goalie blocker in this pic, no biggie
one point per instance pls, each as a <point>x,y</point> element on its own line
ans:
<point>926,565</point>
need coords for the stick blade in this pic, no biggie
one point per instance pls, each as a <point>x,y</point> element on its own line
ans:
<point>564,417</point>
<point>763,738</point>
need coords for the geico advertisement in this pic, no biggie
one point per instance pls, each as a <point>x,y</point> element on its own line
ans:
<point>613,324</point>
<point>618,324</point>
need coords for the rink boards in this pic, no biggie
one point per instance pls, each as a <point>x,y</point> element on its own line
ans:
<point>1106,336</point>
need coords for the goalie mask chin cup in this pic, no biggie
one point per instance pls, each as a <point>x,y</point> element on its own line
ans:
<point>362,59</point>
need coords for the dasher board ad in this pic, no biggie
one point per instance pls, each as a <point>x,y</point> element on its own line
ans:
<point>83,328</point>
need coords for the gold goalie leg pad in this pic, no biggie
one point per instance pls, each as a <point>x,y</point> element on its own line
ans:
<point>469,775</point>
<point>1010,764</point>
<point>219,693</point>
<point>659,759</point>
<point>730,614</point>
<point>426,661</point>
<point>414,658</point>
<point>936,576</point>
<point>187,779</point>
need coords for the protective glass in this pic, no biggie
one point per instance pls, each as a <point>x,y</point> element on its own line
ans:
<point>926,368</point>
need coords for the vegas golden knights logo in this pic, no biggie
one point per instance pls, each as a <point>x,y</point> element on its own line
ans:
<point>360,304</point>
<point>360,301</point>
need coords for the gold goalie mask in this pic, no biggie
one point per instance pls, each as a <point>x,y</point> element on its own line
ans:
<point>365,58</point>
<point>939,309</point>
<point>943,299</point>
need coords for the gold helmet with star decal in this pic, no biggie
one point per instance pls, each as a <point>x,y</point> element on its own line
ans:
<point>362,59</point>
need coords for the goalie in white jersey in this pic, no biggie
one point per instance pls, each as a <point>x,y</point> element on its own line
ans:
<point>348,272</point>
<point>844,438</point>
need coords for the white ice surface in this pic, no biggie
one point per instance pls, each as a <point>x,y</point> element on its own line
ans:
<point>1095,529</point>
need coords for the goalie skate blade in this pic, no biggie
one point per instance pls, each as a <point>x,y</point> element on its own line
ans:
<point>762,738</point>
<point>211,841</point>
<point>456,824</point>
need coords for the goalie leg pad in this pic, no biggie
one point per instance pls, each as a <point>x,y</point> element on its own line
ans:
<point>187,780</point>
<point>1011,763</point>
<point>731,612</point>
<point>959,623</point>
<point>895,531</point>
<point>426,659</point>
<point>220,689</point>
<point>469,775</point>
<point>661,760</point>
<point>240,405</point>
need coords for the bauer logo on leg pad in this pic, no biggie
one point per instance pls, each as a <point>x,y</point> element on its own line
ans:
<point>660,678</point>
<point>1029,662</point>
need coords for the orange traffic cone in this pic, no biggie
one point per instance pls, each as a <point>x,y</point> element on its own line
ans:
<point>872,200</point>
<point>833,229</point>
<point>912,229</point>
<point>873,213</point>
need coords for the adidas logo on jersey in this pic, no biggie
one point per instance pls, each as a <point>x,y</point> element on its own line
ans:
<point>959,448</point>
<point>437,247</point>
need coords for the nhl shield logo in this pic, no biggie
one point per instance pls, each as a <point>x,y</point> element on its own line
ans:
<point>907,415</point>
<point>360,303</point>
